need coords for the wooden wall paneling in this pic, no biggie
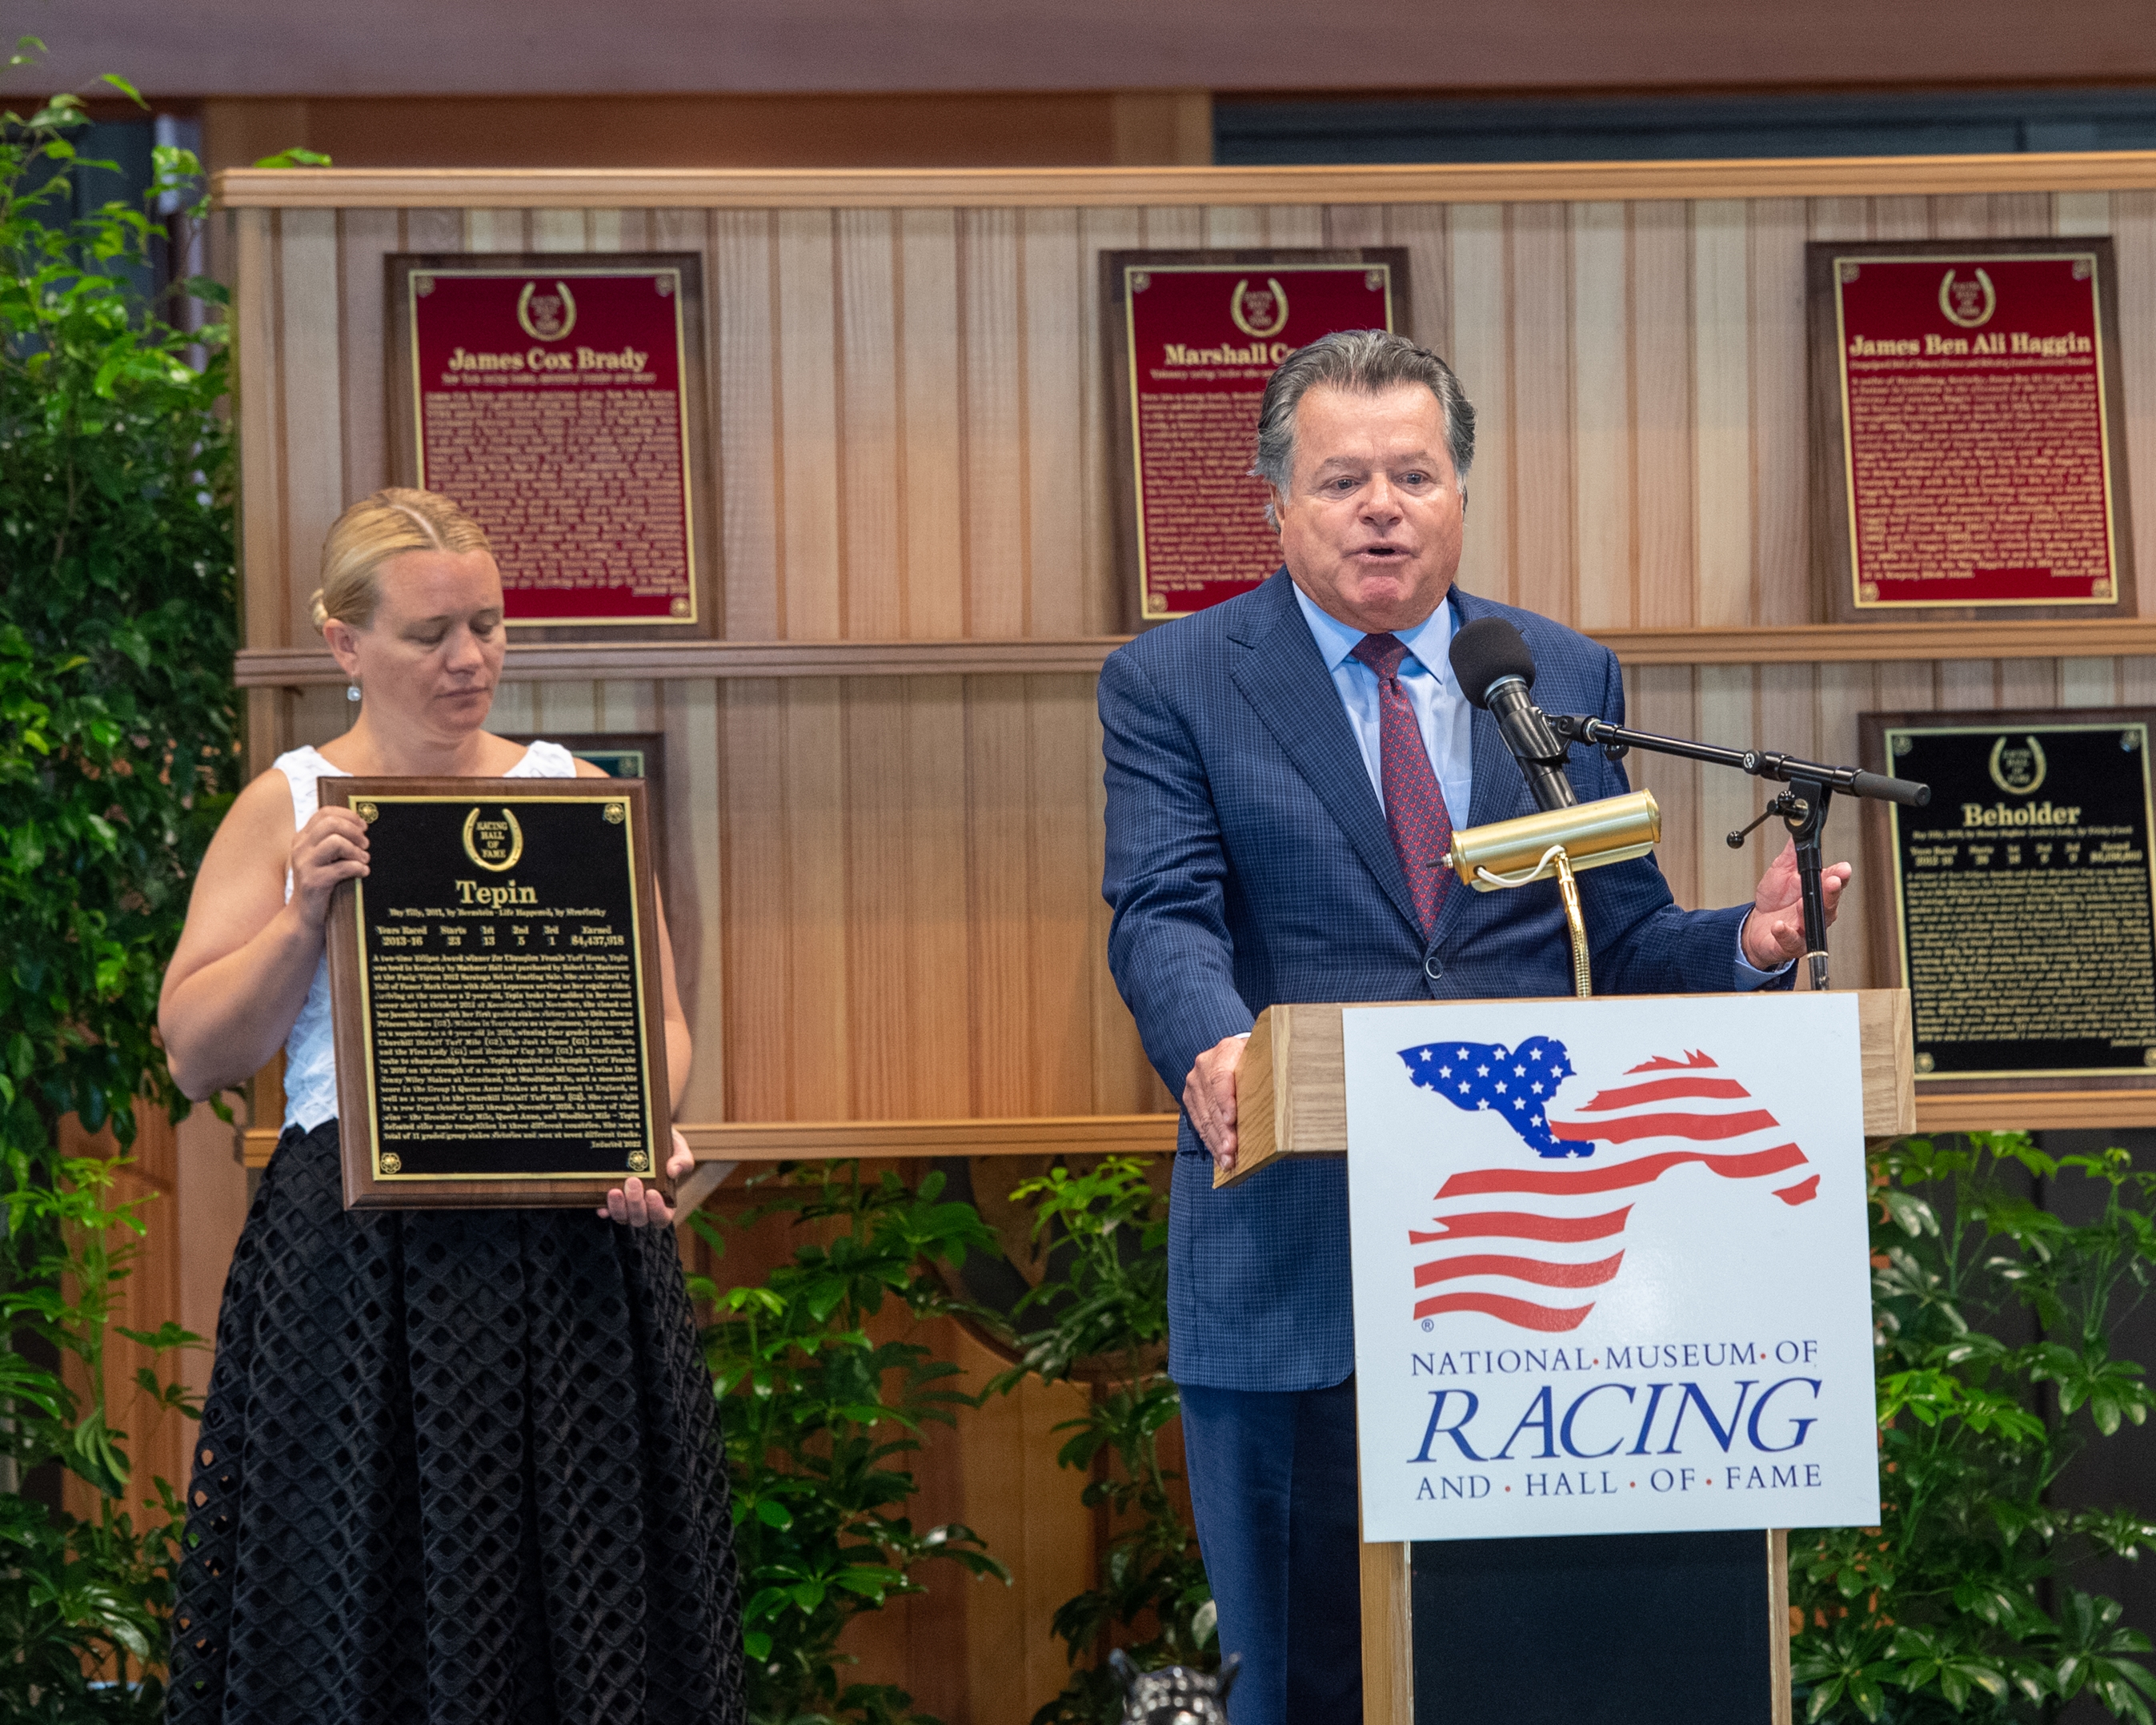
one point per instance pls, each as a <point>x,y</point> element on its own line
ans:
<point>1111,590</point>
<point>1054,270</point>
<point>1545,577</point>
<point>753,901</point>
<point>1360,224</point>
<point>1966,216</point>
<point>1967,684</point>
<point>1839,218</point>
<point>364,238</point>
<point>2016,214</point>
<point>1062,870</point>
<point>998,899</point>
<point>993,547</point>
<point>1727,799</point>
<point>1026,1510</point>
<point>907,980</point>
<point>562,230</point>
<point>2133,240</point>
<point>2088,682</point>
<point>695,841</point>
<point>516,707</point>
<point>805,317</point>
<point>1903,217</point>
<point>1233,226</point>
<point>1478,249</point>
<point>871,511</point>
<point>933,424</point>
<point>815,820</point>
<point>1781,462</point>
<point>312,411</point>
<point>693,230</point>
<point>1423,229</point>
<point>1665,583</point>
<point>2137,680</point>
<point>2081,213</point>
<point>258,387</point>
<point>1659,697</point>
<point>1166,227</point>
<point>1842,692</point>
<point>2028,682</point>
<point>1722,382</point>
<point>498,230</point>
<point>1295,225</point>
<point>747,416</point>
<point>1602,415</point>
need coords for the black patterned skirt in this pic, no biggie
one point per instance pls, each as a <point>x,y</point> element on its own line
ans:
<point>456,1467</point>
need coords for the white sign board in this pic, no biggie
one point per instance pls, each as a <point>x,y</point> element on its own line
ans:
<point>1611,1267</point>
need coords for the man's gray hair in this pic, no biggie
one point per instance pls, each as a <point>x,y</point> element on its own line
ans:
<point>1368,361</point>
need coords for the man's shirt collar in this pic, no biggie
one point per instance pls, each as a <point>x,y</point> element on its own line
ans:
<point>1427,641</point>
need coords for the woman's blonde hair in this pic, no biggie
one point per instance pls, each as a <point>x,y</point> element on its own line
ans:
<point>376,529</point>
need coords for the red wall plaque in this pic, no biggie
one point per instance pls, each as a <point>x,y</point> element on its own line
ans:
<point>1196,338</point>
<point>1976,469</point>
<point>549,399</point>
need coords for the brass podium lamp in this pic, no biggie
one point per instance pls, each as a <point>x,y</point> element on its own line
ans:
<point>1559,843</point>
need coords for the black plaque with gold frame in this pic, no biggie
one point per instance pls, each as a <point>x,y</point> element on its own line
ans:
<point>2019,908</point>
<point>495,995</point>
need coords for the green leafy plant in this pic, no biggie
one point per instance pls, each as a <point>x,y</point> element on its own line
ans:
<point>117,755</point>
<point>819,1415</point>
<point>1103,1314</point>
<point>1960,1604</point>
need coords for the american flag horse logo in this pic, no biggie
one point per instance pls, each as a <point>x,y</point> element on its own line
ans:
<point>1509,1241</point>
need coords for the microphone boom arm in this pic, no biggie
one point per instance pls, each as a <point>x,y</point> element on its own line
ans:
<point>1802,806</point>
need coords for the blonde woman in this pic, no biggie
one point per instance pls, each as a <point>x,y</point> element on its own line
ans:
<point>454,1466</point>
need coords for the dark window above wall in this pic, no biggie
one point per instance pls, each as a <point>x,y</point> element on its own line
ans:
<point>1263,132</point>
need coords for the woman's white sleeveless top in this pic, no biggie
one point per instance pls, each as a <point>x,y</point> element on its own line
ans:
<point>310,1095</point>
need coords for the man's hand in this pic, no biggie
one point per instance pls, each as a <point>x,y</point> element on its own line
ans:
<point>1775,929</point>
<point>1208,1097</point>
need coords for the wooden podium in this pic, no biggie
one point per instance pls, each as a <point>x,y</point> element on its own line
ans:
<point>1654,1628</point>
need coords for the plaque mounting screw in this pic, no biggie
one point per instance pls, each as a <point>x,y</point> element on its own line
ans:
<point>392,1162</point>
<point>366,812</point>
<point>640,1161</point>
<point>616,813</point>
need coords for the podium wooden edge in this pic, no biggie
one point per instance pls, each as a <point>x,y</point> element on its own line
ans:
<point>1292,1096</point>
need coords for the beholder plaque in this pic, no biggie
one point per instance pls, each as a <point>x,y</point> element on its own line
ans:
<point>2020,912</point>
<point>494,990</point>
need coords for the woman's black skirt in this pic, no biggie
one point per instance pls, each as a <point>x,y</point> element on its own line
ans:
<point>456,1467</point>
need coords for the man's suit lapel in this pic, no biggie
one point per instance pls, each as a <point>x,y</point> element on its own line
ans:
<point>1496,783</point>
<point>1278,668</point>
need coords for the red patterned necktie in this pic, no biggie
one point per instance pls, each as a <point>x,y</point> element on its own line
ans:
<point>1420,824</point>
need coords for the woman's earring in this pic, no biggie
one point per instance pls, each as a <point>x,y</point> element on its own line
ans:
<point>352,691</point>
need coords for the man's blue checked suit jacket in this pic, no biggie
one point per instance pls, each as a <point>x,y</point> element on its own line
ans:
<point>1249,862</point>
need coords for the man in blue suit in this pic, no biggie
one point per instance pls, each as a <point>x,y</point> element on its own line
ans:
<point>1283,774</point>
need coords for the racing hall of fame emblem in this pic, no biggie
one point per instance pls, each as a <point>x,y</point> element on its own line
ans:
<point>546,317</point>
<point>1259,313</point>
<point>1968,304</point>
<point>494,845</point>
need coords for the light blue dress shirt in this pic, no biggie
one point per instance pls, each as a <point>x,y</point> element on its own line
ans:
<point>1441,711</point>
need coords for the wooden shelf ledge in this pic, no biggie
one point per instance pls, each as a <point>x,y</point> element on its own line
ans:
<point>1797,644</point>
<point>813,1140</point>
<point>1154,1134</point>
<point>1070,188</point>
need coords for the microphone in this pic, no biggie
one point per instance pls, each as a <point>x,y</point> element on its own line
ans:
<point>1495,671</point>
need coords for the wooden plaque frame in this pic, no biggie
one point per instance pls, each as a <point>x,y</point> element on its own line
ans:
<point>1882,912</point>
<point>366,1185</point>
<point>403,409</point>
<point>1833,555</point>
<point>1116,348</point>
